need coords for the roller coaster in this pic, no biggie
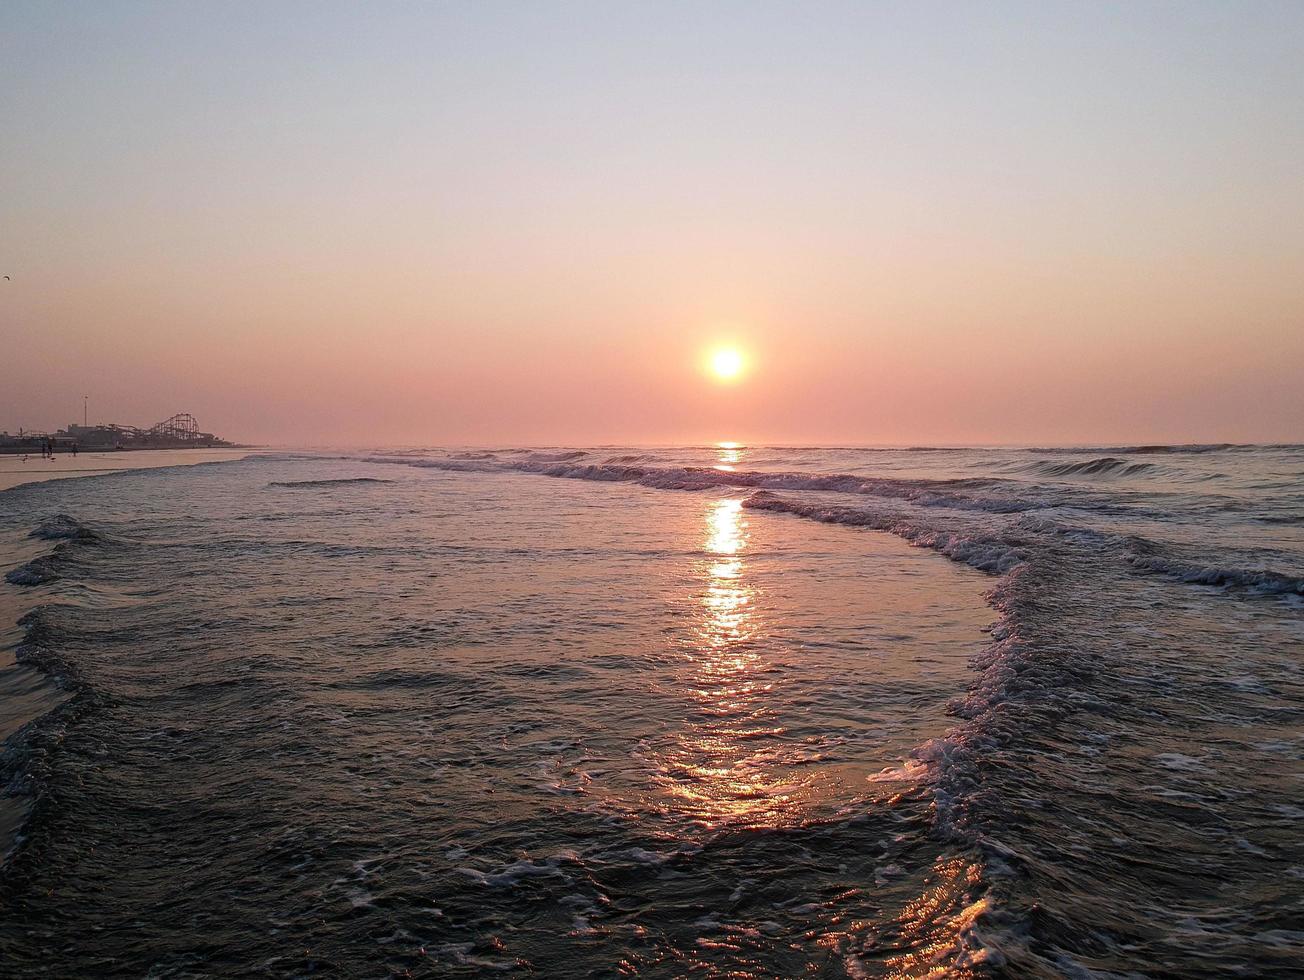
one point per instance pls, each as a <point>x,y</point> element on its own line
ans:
<point>182,427</point>
<point>179,431</point>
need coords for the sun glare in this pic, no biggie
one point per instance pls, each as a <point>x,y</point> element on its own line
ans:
<point>727,363</point>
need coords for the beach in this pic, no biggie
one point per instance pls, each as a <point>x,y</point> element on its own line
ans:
<point>763,490</point>
<point>17,469</point>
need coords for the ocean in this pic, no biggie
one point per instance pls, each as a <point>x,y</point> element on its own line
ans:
<point>719,711</point>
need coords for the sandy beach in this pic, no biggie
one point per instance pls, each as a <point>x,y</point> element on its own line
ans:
<point>17,470</point>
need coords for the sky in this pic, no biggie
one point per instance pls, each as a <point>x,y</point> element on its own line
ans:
<point>495,223</point>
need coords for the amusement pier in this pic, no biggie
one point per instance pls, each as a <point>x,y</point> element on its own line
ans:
<point>181,431</point>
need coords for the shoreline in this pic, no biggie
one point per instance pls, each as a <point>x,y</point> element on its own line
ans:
<point>17,470</point>
<point>9,450</point>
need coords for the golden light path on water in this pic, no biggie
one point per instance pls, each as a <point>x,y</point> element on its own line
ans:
<point>721,771</point>
<point>732,766</point>
<point>731,453</point>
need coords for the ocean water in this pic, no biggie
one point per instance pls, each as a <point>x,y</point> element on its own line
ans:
<point>720,711</point>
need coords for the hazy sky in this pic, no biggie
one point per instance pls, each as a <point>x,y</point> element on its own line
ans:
<point>488,222</point>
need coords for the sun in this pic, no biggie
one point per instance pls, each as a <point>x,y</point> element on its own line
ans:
<point>726,363</point>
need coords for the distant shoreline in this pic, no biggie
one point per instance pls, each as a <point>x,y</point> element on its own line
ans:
<point>62,451</point>
<point>16,471</point>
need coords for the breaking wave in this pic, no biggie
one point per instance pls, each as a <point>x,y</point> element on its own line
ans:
<point>346,481</point>
<point>559,456</point>
<point>1101,466</point>
<point>67,531</point>
<point>1148,557</point>
<point>1160,449</point>
<point>38,571</point>
<point>988,554</point>
<point>62,527</point>
<point>960,494</point>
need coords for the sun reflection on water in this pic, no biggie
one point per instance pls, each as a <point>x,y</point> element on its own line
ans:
<point>727,599</point>
<point>731,453</point>
<point>722,769</point>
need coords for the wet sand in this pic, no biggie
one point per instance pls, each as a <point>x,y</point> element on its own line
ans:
<point>17,470</point>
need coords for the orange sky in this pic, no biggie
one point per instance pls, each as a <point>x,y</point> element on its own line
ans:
<point>326,224</point>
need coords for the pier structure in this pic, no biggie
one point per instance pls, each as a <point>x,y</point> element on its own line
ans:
<point>180,431</point>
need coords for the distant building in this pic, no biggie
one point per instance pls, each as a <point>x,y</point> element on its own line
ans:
<point>178,432</point>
